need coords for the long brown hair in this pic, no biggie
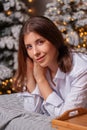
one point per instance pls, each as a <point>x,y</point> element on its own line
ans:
<point>46,28</point>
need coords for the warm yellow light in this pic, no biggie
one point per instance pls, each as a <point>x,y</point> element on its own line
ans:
<point>13,88</point>
<point>67,40</point>
<point>58,11</point>
<point>8,12</point>
<point>71,0</point>
<point>30,10</point>
<point>4,83</point>
<point>30,1</point>
<point>64,23</point>
<point>55,8</point>
<point>72,19</point>
<point>84,45</point>
<point>85,33</point>
<point>58,0</point>
<point>81,34</point>
<point>0,92</point>
<point>84,39</point>
<point>8,91</point>
<point>11,80</point>
<point>78,46</point>
<point>63,30</point>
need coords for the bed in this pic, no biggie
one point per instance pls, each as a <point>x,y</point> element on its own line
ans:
<point>14,117</point>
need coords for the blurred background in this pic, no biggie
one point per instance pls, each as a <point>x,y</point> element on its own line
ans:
<point>70,16</point>
<point>36,7</point>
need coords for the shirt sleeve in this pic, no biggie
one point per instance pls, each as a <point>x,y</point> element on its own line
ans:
<point>77,97</point>
<point>32,101</point>
<point>78,94</point>
<point>53,105</point>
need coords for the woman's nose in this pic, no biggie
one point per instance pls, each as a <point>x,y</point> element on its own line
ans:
<point>35,51</point>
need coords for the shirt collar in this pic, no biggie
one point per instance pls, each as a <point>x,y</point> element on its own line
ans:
<point>59,74</point>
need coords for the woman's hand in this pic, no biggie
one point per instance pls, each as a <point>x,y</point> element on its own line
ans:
<point>40,77</point>
<point>31,83</point>
<point>39,72</point>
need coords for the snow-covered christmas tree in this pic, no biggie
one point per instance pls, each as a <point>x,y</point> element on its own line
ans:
<point>70,16</point>
<point>13,13</point>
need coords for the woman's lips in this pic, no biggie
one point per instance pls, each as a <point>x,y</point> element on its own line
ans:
<point>40,59</point>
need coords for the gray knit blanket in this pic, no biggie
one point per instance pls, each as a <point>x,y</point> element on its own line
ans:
<point>14,117</point>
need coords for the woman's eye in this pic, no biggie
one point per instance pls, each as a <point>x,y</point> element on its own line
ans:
<point>29,47</point>
<point>40,42</point>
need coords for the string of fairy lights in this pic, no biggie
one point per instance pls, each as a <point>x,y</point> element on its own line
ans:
<point>83,35</point>
<point>6,85</point>
<point>29,10</point>
<point>54,11</point>
<point>82,32</point>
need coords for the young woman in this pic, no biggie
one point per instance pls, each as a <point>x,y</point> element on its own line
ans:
<point>51,76</point>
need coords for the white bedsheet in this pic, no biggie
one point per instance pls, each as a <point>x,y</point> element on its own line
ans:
<point>14,117</point>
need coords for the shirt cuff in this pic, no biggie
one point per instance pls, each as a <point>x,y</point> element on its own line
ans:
<point>36,91</point>
<point>53,99</point>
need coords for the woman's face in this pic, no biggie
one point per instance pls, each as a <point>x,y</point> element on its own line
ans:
<point>40,49</point>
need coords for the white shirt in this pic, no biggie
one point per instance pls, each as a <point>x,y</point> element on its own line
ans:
<point>69,91</point>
